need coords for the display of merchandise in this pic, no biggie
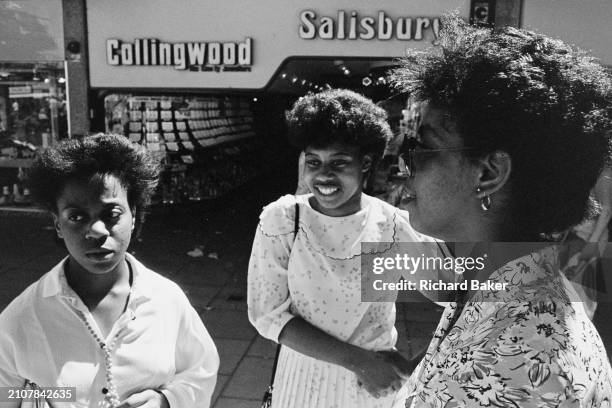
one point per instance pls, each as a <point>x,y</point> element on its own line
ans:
<point>15,195</point>
<point>215,172</point>
<point>207,144</point>
<point>6,197</point>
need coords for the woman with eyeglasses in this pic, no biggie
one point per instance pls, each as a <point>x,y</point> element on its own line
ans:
<point>512,136</point>
<point>304,274</point>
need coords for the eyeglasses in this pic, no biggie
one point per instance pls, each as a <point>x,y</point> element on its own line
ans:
<point>407,160</point>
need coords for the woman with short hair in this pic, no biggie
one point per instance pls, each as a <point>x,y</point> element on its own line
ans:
<point>513,134</point>
<point>100,321</point>
<point>305,267</point>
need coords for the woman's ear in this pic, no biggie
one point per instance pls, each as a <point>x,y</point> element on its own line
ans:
<point>56,225</point>
<point>495,169</point>
<point>366,163</point>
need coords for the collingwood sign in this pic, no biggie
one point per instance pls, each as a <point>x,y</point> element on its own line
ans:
<point>352,26</point>
<point>210,56</point>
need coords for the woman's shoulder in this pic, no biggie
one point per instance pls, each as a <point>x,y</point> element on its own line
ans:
<point>401,221</point>
<point>150,283</point>
<point>282,204</point>
<point>278,217</point>
<point>389,211</point>
<point>165,297</point>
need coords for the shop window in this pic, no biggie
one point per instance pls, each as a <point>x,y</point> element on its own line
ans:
<point>206,144</point>
<point>32,104</point>
<point>33,115</point>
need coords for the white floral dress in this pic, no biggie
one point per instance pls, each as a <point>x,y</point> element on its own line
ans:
<point>532,347</point>
<point>317,277</point>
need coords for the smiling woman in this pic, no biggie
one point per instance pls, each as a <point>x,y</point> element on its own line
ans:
<point>305,267</point>
<point>335,176</point>
<point>94,321</point>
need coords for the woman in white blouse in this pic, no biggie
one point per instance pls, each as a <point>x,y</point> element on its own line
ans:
<point>100,321</point>
<point>304,289</point>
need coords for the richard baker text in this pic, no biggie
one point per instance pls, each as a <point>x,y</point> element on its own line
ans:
<point>439,285</point>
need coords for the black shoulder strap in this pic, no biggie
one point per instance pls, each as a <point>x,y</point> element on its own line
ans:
<point>296,225</point>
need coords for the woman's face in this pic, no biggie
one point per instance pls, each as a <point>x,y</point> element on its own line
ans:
<point>96,224</point>
<point>334,175</point>
<point>443,188</point>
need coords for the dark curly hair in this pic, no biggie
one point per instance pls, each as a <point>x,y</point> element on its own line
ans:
<point>540,100</point>
<point>339,116</point>
<point>87,160</point>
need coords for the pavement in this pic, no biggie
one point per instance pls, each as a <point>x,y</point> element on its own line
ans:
<point>222,231</point>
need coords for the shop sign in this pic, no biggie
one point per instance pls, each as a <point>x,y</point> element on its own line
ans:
<point>29,92</point>
<point>351,26</point>
<point>171,44</point>
<point>208,56</point>
<point>19,90</point>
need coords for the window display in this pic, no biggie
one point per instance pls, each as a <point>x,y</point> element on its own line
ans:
<point>33,115</point>
<point>205,143</point>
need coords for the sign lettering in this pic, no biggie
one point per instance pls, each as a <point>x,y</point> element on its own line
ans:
<point>351,26</point>
<point>181,56</point>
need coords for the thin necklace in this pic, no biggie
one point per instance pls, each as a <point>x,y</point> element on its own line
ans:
<point>111,396</point>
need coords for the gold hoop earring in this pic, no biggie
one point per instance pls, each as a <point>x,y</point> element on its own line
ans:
<point>485,201</point>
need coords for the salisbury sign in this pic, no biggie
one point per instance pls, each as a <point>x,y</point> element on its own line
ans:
<point>352,26</point>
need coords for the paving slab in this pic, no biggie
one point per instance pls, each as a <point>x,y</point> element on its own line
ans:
<point>231,351</point>
<point>231,297</point>
<point>199,296</point>
<point>250,380</point>
<point>222,381</point>
<point>228,324</point>
<point>207,271</point>
<point>263,348</point>
<point>166,264</point>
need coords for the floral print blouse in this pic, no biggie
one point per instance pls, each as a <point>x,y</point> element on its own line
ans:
<point>530,347</point>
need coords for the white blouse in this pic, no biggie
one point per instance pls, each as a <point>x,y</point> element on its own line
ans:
<point>318,277</point>
<point>162,343</point>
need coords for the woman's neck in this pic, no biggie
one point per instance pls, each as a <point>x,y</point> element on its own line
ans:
<point>92,287</point>
<point>485,229</point>
<point>495,243</point>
